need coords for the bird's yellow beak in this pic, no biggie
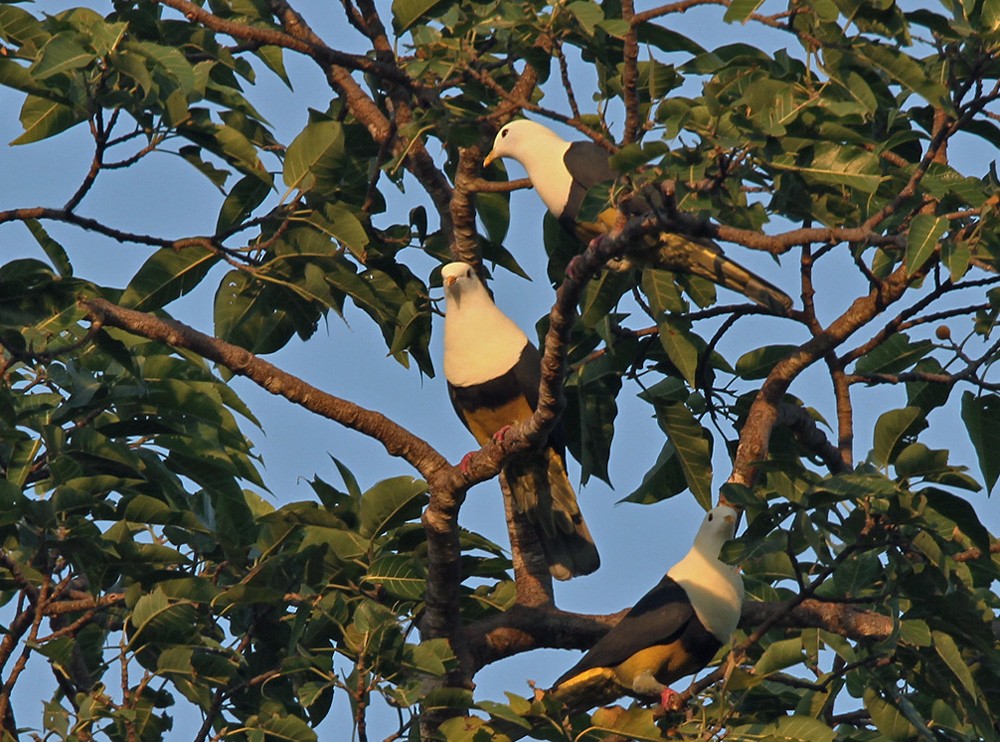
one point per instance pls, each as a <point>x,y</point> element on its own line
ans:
<point>449,280</point>
<point>490,158</point>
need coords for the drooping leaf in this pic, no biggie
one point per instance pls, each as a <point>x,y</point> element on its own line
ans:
<point>891,429</point>
<point>981,416</point>
<point>167,275</point>
<point>55,252</point>
<point>42,118</point>
<point>693,450</point>
<point>922,239</point>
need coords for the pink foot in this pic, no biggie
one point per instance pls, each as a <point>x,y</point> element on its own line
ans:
<point>499,435</point>
<point>670,699</point>
<point>575,268</point>
<point>466,462</point>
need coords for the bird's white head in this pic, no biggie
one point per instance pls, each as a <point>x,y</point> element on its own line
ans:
<point>480,341</point>
<point>716,529</point>
<point>520,139</point>
<point>460,279</point>
<point>462,286</point>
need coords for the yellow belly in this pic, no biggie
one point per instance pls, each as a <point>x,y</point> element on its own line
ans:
<point>484,422</point>
<point>665,662</point>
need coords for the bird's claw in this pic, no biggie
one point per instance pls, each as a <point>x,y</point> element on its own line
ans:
<point>466,463</point>
<point>499,435</point>
<point>576,269</point>
<point>670,700</point>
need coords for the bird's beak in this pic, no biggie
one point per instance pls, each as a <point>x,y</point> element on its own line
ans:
<point>490,158</point>
<point>449,281</point>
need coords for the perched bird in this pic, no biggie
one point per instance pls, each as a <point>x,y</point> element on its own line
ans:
<point>673,631</point>
<point>493,373</point>
<point>562,172</point>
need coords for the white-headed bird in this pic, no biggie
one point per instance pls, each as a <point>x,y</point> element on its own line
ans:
<point>493,373</point>
<point>562,172</point>
<point>673,631</point>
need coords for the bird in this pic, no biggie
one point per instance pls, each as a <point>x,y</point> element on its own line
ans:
<point>493,372</point>
<point>673,631</point>
<point>562,172</point>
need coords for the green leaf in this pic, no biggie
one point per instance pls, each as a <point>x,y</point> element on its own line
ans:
<point>896,354</point>
<point>62,53</point>
<point>407,12</point>
<point>318,149</point>
<point>757,364</point>
<point>904,70</point>
<point>891,430</point>
<point>587,14</point>
<point>400,575</point>
<point>740,10</point>
<point>665,479</point>
<point>981,416</point>
<point>802,728</point>
<point>891,723</point>
<point>55,252</point>
<point>432,656</point>
<point>634,724</point>
<point>959,511</point>
<point>676,339</point>
<point>290,728</point>
<point>247,314</point>
<point>494,211</point>
<point>168,274</point>
<point>922,239</point>
<point>661,291</point>
<point>693,449</point>
<point>42,118</point>
<point>391,503</point>
<point>948,651</point>
<point>248,193</point>
<point>591,410</point>
<point>779,655</point>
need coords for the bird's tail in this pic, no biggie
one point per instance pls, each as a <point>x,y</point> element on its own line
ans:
<point>702,257</point>
<point>542,492</point>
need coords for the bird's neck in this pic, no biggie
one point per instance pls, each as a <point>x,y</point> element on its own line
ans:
<point>548,174</point>
<point>480,342</point>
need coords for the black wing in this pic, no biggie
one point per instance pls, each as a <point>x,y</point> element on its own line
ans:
<point>522,379</point>
<point>658,618</point>
<point>588,164</point>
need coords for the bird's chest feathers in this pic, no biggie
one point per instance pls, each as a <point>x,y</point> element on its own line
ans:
<point>480,344</point>
<point>715,591</point>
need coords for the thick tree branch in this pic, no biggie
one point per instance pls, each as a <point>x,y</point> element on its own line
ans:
<point>630,75</point>
<point>271,37</point>
<point>523,627</point>
<point>763,413</point>
<point>397,440</point>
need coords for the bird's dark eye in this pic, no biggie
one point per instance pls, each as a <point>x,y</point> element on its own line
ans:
<point>503,133</point>
<point>710,516</point>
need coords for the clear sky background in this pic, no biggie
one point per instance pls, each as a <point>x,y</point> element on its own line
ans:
<point>165,196</point>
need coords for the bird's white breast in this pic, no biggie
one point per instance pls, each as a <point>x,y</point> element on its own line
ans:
<point>715,590</point>
<point>480,342</point>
